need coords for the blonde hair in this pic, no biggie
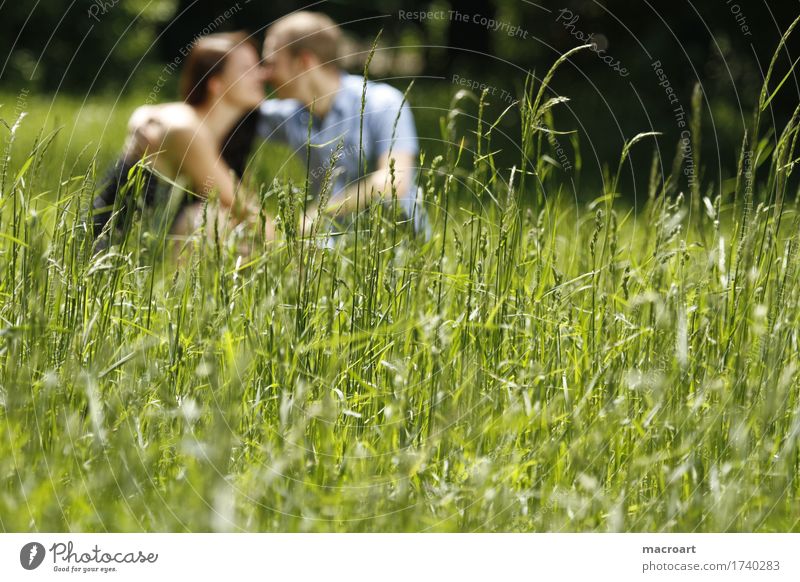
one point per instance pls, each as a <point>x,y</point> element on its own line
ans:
<point>314,32</point>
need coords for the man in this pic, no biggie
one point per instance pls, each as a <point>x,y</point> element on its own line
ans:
<point>300,60</point>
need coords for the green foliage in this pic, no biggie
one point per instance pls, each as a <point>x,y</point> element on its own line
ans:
<point>79,46</point>
<point>531,367</point>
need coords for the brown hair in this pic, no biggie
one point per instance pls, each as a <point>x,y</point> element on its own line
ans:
<point>314,32</point>
<point>207,59</point>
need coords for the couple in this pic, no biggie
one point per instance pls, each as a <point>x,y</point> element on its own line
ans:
<point>202,142</point>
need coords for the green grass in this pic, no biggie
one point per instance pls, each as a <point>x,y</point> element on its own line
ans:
<point>537,365</point>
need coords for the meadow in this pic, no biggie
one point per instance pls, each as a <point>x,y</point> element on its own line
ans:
<point>540,363</point>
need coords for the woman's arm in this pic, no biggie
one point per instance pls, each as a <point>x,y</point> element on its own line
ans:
<point>194,154</point>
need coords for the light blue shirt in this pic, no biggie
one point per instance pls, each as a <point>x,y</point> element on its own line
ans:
<point>286,120</point>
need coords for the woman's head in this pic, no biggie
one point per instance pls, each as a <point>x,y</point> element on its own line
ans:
<point>223,66</point>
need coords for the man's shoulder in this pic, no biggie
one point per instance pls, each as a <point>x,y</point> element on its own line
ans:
<point>379,94</point>
<point>279,108</point>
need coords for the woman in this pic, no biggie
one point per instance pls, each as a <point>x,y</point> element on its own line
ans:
<point>222,80</point>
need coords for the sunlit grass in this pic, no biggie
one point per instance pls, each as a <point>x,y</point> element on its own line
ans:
<point>536,365</point>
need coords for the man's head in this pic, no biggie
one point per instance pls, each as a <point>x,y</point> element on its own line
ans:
<point>299,47</point>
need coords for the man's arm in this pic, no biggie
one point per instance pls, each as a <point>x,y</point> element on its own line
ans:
<point>376,186</point>
<point>389,125</point>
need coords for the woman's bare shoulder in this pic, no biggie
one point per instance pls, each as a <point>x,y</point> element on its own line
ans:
<point>167,131</point>
<point>170,117</point>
